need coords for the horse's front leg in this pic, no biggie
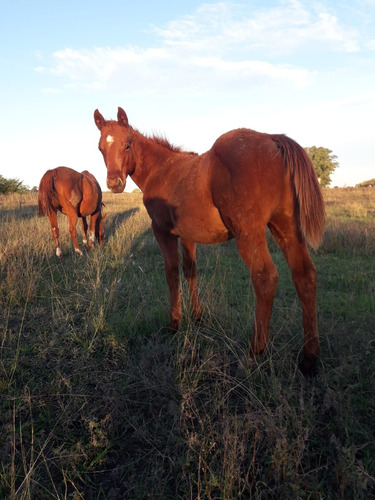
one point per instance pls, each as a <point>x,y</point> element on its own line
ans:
<point>55,232</point>
<point>169,246</point>
<point>189,266</point>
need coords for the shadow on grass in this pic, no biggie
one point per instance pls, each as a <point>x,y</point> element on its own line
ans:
<point>112,223</point>
<point>23,212</point>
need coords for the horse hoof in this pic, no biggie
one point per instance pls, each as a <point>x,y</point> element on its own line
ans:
<point>173,325</point>
<point>240,365</point>
<point>198,319</point>
<point>309,367</point>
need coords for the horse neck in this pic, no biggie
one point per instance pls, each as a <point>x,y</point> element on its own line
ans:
<point>148,155</point>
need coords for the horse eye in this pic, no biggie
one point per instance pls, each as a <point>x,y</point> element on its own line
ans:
<point>127,147</point>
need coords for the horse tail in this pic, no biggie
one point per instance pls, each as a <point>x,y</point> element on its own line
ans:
<point>46,192</point>
<point>308,196</point>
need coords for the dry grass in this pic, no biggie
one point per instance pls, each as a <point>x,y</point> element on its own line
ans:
<point>99,401</point>
<point>351,220</point>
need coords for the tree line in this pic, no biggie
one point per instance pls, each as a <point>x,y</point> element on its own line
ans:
<point>323,159</point>
<point>8,186</point>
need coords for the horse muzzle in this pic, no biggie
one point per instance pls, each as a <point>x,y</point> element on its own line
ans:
<point>116,185</point>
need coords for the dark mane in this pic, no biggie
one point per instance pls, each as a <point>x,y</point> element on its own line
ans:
<point>162,141</point>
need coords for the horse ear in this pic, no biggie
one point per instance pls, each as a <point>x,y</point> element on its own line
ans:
<point>99,120</point>
<point>122,118</point>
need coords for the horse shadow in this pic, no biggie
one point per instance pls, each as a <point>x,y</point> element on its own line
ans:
<point>113,222</point>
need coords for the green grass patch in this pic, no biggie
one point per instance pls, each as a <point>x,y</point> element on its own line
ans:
<point>99,400</point>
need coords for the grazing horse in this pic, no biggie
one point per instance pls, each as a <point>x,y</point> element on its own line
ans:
<point>75,195</point>
<point>244,183</point>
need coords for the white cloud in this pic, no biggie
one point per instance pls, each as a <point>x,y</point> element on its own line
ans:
<point>277,30</point>
<point>371,44</point>
<point>249,70</point>
<point>202,52</point>
<point>136,70</point>
<point>98,68</point>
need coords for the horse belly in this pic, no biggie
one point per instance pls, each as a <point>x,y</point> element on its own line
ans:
<point>206,228</point>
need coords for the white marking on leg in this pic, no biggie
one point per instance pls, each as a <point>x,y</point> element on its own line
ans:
<point>84,241</point>
<point>92,236</point>
<point>58,252</point>
<point>78,252</point>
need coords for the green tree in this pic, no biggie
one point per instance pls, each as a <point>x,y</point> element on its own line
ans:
<point>8,186</point>
<point>324,162</point>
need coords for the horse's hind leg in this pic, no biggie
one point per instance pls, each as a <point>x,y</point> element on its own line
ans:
<point>92,229</point>
<point>73,218</point>
<point>305,280</point>
<point>84,229</point>
<point>55,232</point>
<point>254,252</point>
<point>189,266</point>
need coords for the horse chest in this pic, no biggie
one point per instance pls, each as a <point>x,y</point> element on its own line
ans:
<point>201,224</point>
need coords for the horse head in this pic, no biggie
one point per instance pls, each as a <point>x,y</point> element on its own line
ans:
<point>116,146</point>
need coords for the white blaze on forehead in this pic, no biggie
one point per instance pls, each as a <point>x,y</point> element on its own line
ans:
<point>110,139</point>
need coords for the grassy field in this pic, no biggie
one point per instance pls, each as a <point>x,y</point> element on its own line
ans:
<point>99,401</point>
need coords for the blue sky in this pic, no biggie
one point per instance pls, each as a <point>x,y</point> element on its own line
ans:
<point>189,70</point>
